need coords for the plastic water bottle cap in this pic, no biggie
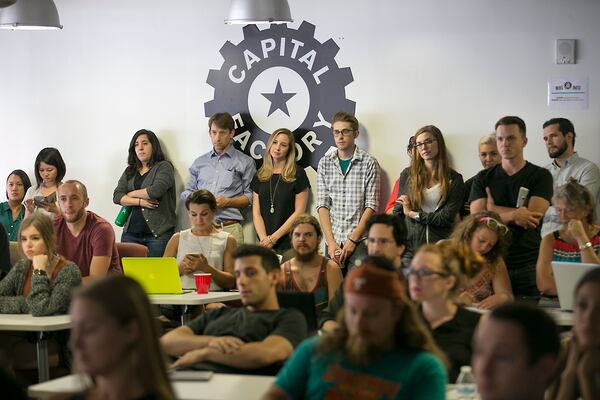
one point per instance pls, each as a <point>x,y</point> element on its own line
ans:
<point>465,368</point>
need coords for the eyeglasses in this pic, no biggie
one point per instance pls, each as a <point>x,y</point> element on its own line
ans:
<point>494,224</point>
<point>424,143</point>
<point>424,273</point>
<point>342,132</point>
<point>381,242</point>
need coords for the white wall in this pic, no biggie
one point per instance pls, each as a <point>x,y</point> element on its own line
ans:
<point>119,66</point>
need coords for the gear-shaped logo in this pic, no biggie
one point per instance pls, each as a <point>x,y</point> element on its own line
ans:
<point>281,78</point>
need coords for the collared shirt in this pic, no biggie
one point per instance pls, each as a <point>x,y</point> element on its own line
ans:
<point>347,195</point>
<point>584,171</point>
<point>12,227</point>
<point>227,175</point>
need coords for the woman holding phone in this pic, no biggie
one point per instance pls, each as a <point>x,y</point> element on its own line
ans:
<point>49,170</point>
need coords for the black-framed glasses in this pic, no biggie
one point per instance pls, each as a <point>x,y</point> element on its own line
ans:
<point>342,132</point>
<point>424,273</point>
<point>427,142</point>
<point>494,224</point>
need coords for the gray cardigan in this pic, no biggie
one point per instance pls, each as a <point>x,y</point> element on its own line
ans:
<point>45,298</point>
<point>160,184</point>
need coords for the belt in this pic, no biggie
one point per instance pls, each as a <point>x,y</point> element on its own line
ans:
<point>226,222</point>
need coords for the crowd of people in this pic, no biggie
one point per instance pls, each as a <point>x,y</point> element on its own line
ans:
<point>398,295</point>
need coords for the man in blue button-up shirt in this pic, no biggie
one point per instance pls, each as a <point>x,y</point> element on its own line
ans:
<point>227,173</point>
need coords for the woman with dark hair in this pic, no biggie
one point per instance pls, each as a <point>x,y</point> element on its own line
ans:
<point>578,240</point>
<point>280,192</point>
<point>148,187</point>
<point>485,234</point>
<point>114,340</point>
<point>436,274</point>
<point>12,211</point>
<point>430,192</point>
<point>49,171</point>
<point>579,378</point>
<point>203,248</point>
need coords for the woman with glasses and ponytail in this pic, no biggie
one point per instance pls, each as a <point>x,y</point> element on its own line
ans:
<point>429,193</point>
<point>485,234</point>
<point>436,275</point>
<point>578,239</point>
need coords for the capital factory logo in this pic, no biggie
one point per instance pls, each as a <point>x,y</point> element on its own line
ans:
<point>281,77</point>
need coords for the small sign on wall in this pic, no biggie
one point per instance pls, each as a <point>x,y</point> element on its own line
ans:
<point>568,93</point>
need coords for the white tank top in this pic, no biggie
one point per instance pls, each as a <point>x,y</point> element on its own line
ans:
<point>212,247</point>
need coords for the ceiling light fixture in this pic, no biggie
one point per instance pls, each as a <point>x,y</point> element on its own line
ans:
<point>259,12</point>
<point>30,15</point>
<point>6,3</point>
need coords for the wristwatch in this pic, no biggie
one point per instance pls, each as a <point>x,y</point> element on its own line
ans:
<point>39,272</point>
<point>417,216</point>
<point>585,246</point>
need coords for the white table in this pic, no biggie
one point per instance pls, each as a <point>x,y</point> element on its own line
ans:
<point>219,387</point>
<point>192,299</point>
<point>39,325</point>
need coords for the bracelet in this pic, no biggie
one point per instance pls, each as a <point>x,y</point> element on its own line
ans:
<point>356,242</point>
<point>585,246</point>
<point>139,202</point>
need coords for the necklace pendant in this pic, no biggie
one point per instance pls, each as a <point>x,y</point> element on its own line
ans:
<point>272,210</point>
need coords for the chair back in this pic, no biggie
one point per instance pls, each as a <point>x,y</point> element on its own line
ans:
<point>15,255</point>
<point>131,250</point>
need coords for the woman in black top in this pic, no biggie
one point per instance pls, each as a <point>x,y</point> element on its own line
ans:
<point>148,187</point>
<point>430,193</point>
<point>436,275</point>
<point>280,189</point>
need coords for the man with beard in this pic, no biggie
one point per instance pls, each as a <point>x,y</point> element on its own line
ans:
<point>308,271</point>
<point>82,236</point>
<point>381,351</point>
<point>386,237</point>
<point>559,136</point>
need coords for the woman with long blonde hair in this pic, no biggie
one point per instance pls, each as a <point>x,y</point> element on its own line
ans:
<point>280,192</point>
<point>430,192</point>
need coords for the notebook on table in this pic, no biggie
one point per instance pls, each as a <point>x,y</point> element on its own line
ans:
<point>157,275</point>
<point>566,276</point>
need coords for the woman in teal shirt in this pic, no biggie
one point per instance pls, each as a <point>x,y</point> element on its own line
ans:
<point>12,211</point>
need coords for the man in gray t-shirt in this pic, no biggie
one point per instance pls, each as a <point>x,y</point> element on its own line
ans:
<point>258,335</point>
<point>559,137</point>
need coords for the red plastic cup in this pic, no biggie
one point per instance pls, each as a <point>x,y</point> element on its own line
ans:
<point>202,282</point>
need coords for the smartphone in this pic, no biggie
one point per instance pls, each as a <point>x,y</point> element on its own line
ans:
<point>522,197</point>
<point>41,201</point>
<point>197,376</point>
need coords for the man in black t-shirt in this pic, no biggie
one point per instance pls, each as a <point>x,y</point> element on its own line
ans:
<point>498,189</point>
<point>258,335</point>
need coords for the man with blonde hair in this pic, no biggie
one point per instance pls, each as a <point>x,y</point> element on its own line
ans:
<point>489,156</point>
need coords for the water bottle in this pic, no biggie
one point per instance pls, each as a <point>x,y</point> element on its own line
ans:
<point>465,384</point>
<point>122,216</point>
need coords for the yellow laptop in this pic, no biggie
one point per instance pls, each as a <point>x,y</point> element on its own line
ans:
<point>157,275</point>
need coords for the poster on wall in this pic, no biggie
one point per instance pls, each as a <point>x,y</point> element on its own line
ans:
<point>281,77</point>
<point>568,93</point>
